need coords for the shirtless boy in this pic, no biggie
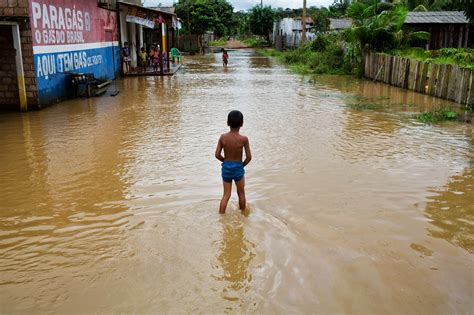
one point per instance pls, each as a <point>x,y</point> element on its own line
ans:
<point>233,144</point>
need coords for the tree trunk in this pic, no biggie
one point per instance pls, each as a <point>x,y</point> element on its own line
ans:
<point>201,50</point>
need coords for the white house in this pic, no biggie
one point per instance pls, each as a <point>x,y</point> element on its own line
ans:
<point>287,32</point>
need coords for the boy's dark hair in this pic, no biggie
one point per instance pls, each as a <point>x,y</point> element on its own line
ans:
<point>235,119</point>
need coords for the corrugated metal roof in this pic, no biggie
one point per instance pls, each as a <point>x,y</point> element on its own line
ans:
<point>340,24</point>
<point>436,17</point>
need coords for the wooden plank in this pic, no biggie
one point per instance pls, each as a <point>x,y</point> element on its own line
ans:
<point>417,78</point>
<point>420,78</point>
<point>412,83</point>
<point>406,72</point>
<point>394,71</point>
<point>433,81</point>
<point>406,68</point>
<point>379,66</point>
<point>470,98</point>
<point>440,83</point>
<point>389,69</point>
<point>453,81</point>
<point>464,86</point>
<point>400,72</point>
<point>444,92</point>
<point>461,86</point>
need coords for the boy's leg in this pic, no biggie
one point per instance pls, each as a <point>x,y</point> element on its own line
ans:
<point>225,196</point>
<point>241,192</point>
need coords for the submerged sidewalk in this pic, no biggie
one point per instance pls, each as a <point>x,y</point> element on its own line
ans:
<point>149,71</point>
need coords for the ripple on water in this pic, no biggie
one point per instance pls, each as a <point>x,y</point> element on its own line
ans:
<point>114,200</point>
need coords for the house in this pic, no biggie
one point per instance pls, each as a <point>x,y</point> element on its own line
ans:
<point>143,27</point>
<point>447,28</point>
<point>43,41</point>
<point>336,25</point>
<point>287,32</point>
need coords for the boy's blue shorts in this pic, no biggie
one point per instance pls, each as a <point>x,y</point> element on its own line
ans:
<point>232,170</point>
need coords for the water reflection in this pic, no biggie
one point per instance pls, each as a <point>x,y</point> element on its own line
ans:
<point>235,256</point>
<point>451,211</point>
<point>112,200</point>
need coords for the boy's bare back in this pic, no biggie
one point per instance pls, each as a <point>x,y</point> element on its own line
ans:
<point>233,144</point>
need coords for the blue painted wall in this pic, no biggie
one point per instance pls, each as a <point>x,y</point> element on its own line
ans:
<point>52,70</point>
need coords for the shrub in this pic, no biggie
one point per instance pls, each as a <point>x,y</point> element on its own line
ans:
<point>319,43</point>
<point>438,115</point>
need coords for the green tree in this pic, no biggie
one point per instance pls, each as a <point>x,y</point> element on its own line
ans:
<point>261,21</point>
<point>384,31</point>
<point>339,8</point>
<point>200,16</point>
<point>320,18</point>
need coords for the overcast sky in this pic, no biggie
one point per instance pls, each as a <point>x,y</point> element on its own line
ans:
<point>247,4</point>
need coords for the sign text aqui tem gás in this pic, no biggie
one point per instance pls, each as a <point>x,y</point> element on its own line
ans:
<point>59,25</point>
<point>69,36</point>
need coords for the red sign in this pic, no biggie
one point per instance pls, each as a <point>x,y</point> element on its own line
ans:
<point>63,22</point>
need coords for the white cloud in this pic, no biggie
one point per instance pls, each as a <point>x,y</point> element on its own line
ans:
<point>247,4</point>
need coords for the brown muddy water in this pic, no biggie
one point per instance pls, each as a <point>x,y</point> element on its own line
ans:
<point>110,205</point>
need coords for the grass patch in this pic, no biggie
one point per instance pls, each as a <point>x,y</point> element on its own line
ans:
<point>254,42</point>
<point>463,57</point>
<point>438,115</point>
<point>217,43</point>
<point>363,106</point>
<point>361,103</point>
<point>306,61</point>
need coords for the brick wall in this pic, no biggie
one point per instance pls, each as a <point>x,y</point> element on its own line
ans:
<point>8,80</point>
<point>17,11</point>
<point>29,66</point>
<point>14,8</point>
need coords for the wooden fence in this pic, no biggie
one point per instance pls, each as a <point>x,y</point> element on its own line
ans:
<point>444,81</point>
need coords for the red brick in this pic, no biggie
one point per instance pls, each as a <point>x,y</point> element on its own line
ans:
<point>8,11</point>
<point>9,94</point>
<point>20,11</point>
<point>23,3</point>
<point>28,59</point>
<point>3,3</point>
<point>13,3</point>
<point>29,73</point>
<point>32,87</point>
<point>26,33</point>
<point>7,80</point>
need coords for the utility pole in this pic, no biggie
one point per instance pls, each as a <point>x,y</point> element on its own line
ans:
<point>303,24</point>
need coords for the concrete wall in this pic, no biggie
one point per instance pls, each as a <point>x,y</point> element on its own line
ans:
<point>85,43</point>
<point>287,33</point>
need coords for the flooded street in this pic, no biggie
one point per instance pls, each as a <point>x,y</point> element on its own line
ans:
<point>110,204</point>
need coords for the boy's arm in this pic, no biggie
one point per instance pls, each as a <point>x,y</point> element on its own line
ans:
<point>219,150</point>
<point>248,154</point>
